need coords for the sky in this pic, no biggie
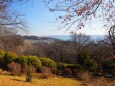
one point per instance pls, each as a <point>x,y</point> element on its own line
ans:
<point>42,22</point>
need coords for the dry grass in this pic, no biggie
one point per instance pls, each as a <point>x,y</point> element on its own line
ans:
<point>102,82</point>
<point>7,80</point>
<point>88,80</point>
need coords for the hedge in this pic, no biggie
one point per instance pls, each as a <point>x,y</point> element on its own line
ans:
<point>48,62</point>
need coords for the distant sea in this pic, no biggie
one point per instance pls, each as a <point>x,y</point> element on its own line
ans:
<point>66,38</point>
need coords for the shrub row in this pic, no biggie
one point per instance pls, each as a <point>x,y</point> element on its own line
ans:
<point>36,62</point>
<point>30,60</point>
<point>2,53</point>
<point>62,66</point>
<point>48,62</point>
<point>33,60</point>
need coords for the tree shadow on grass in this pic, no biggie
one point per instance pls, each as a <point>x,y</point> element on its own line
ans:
<point>19,80</point>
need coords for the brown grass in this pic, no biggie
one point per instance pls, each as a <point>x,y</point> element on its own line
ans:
<point>88,80</point>
<point>8,80</point>
<point>102,82</point>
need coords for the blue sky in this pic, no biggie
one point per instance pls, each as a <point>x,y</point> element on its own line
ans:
<point>42,21</point>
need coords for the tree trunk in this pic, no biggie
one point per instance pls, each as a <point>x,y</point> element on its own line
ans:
<point>112,37</point>
<point>113,48</point>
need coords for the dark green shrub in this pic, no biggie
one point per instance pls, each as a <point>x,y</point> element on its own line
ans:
<point>2,53</point>
<point>48,62</point>
<point>109,67</point>
<point>9,57</point>
<point>87,64</point>
<point>60,66</point>
<point>33,60</point>
<point>73,66</point>
<point>22,60</point>
<point>82,58</point>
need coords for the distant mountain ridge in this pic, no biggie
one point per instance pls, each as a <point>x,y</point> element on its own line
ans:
<point>34,39</point>
<point>68,37</point>
<point>55,38</point>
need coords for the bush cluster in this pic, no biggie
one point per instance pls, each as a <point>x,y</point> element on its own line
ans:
<point>73,66</point>
<point>60,66</point>
<point>33,60</point>
<point>85,61</point>
<point>48,62</point>
<point>21,60</point>
<point>2,53</point>
<point>9,57</point>
<point>13,61</point>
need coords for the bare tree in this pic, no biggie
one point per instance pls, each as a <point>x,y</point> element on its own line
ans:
<point>57,50</point>
<point>10,24</point>
<point>10,19</point>
<point>11,43</point>
<point>79,12</point>
<point>112,37</point>
<point>79,41</point>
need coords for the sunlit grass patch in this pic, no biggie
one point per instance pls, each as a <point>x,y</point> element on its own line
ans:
<point>8,80</point>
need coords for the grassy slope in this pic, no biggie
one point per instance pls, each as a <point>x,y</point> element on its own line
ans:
<point>6,80</point>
